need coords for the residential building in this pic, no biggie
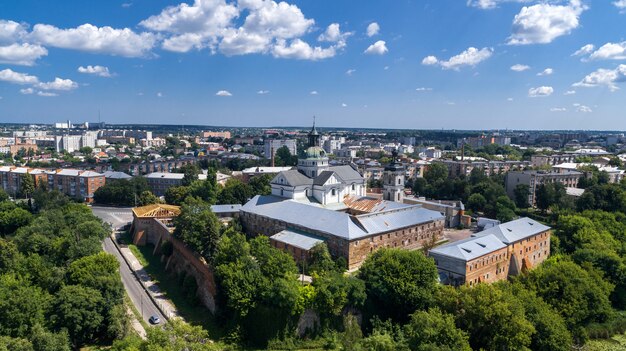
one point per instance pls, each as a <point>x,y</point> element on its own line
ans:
<point>551,160</point>
<point>534,179</point>
<point>272,145</point>
<point>457,168</point>
<point>219,135</point>
<point>615,174</point>
<point>76,183</point>
<point>159,182</point>
<point>494,254</point>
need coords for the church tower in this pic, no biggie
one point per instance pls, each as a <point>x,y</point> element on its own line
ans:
<point>393,180</point>
<point>314,160</point>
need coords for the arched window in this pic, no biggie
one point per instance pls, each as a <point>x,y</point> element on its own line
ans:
<point>282,192</point>
<point>352,186</point>
<point>333,192</point>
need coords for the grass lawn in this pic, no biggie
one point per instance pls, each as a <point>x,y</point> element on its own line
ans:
<point>618,342</point>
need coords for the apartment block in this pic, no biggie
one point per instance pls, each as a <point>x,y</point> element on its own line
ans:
<point>76,183</point>
<point>534,179</point>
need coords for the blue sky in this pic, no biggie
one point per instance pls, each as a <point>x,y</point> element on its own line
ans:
<point>452,64</point>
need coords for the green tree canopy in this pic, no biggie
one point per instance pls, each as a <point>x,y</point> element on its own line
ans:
<point>398,282</point>
<point>198,227</point>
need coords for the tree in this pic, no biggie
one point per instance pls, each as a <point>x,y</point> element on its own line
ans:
<point>283,157</point>
<point>235,192</point>
<point>198,227</point>
<point>190,172</point>
<point>176,195</point>
<point>436,172</point>
<point>321,262</point>
<point>493,318</point>
<point>398,282</point>
<point>13,218</point>
<point>335,291</point>
<point>261,184</point>
<point>100,272</point>
<point>476,202</point>
<point>520,194</point>
<point>432,329</point>
<point>79,310</point>
<point>505,209</point>
<point>549,194</point>
<point>44,340</point>
<point>147,198</point>
<point>579,295</point>
<point>21,306</point>
<point>207,190</point>
<point>173,336</point>
<point>27,187</point>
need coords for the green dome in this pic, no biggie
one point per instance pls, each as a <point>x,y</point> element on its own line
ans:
<point>314,152</point>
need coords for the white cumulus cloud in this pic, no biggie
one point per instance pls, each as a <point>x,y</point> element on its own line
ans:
<point>100,71</point>
<point>11,31</point>
<point>372,29</point>
<point>7,75</point>
<point>587,49</point>
<point>582,108</point>
<point>541,91</point>
<point>314,92</point>
<point>570,92</point>
<point>333,34</point>
<point>604,77</point>
<point>470,57</point>
<point>542,23</point>
<point>263,92</point>
<point>610,51</point>
<point>27,91</point>
<point>378,48</point>
<point>89,38</point>
<point>350,71</point>
<point>424,89</point>
<point>47,94</point>
<point>58,84</point>
<point>558,109</point>
<point>223,93</point>
<point>24,54</point>
<point>546,72</point>
<point>299,49</point>
<point>519,68</point>
<point>621,5</point>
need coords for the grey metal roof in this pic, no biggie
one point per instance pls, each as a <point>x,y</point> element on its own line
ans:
<point>393,219</point>
<point>298,239</point>
<point>293,178</point>
<point>347,173</point>
<point>159,175</point>
<point>225,208</point>
<point>323,177</point>
<point>516,230</point>
<point>116,175</point>
<point>470,248</point>
<point>336,223</point>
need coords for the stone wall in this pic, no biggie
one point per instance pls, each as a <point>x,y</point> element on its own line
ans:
<point>182,260</point>
<point>530,252</point>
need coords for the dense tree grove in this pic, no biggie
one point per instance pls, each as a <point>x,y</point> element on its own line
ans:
<point>58,290</point>
<point>481,194</point>
<point>122,192</point>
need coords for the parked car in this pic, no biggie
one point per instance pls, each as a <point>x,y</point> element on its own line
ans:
<point>154,319</point>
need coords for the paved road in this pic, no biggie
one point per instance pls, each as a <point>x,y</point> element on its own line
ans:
<point>119,217</point>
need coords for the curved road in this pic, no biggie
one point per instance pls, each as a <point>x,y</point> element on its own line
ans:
<point>118,217</point>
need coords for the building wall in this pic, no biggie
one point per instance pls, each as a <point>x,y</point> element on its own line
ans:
<point>355,251</point>
<point>528,253</point>
<point>497,265</point>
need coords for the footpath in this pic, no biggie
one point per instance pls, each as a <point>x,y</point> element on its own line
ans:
<point>150,286</point>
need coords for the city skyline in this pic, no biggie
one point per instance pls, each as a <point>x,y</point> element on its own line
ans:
<point>494,64</point>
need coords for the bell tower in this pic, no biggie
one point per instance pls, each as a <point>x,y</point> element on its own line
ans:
<point>393,180</point>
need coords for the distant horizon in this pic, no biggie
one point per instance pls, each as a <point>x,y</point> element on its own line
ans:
<point>320,127</point>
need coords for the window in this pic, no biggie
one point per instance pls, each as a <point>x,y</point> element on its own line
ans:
<point>352,186</point>
<point>333,192</point>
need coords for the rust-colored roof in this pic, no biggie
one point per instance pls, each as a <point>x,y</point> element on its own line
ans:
<point>369,204</point>
<point>156,211</point>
